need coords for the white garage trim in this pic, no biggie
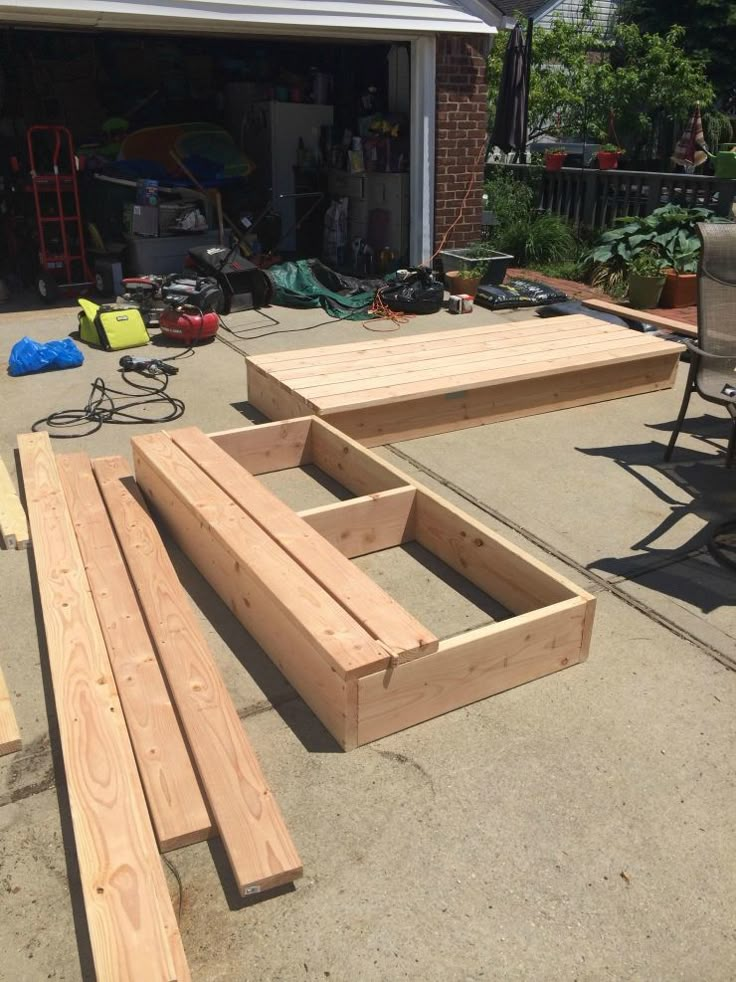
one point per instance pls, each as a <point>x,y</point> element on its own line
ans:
<point>282,17</point>
<point>421,150</point>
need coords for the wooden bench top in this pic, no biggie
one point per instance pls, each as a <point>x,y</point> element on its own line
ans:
<point>373,373</point>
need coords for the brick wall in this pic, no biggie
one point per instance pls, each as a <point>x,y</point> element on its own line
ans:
<point>461,135</point>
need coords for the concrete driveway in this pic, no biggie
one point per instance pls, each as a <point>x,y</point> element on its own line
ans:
<point>577,828</point>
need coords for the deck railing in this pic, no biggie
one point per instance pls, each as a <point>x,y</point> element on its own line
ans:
<point>595,197</point>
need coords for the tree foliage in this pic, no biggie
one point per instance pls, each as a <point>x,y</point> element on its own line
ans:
<point>710,33</point>
<point>582,77</point>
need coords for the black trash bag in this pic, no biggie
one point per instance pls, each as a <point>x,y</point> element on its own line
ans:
<point>420,293</point>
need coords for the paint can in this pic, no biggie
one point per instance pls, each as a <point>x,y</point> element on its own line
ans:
<point>466,303</point>
<point>455,304</point>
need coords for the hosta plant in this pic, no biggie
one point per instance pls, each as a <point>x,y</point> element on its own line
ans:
<point>669,232</point>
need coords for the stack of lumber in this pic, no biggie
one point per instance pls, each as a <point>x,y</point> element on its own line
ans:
<point>387,390</point>
<point>142,766</point>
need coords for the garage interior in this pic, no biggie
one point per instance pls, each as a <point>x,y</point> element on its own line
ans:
<point>300,148</point>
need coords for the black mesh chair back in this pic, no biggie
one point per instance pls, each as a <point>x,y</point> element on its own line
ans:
<point>713,358</point>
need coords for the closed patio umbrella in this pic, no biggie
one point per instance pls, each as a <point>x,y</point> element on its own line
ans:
<point>512,102</point>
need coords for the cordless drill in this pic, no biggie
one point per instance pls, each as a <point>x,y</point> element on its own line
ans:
<point>147,366</point>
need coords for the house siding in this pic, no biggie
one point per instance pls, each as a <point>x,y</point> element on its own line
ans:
<point>603,14</point>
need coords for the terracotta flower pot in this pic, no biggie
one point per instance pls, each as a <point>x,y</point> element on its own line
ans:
<point>462,284</point>
<point>608,159</point>
<point>554,161</point>
<point>680,289</point>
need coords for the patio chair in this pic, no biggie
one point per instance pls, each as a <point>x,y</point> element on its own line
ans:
<point>713,357</point>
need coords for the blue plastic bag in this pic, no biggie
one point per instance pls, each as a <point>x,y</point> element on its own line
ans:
<point>28,356</point>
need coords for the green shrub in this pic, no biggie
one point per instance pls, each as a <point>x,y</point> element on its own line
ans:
<point>530,237</point>
<point>669,232</point>
<point>568,269</point>
<point>647,264</point>
<point>510,199</point>
<point>549,239</point>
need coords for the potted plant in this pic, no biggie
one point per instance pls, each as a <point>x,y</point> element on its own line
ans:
<point>608,156</point>
<point>466,279</point>
<point>554,158</point>
<point>681,277</point>
<point>671,230</point>
<point>646,280</point>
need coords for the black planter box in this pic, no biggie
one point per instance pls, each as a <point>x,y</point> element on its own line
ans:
<point>495,263</point>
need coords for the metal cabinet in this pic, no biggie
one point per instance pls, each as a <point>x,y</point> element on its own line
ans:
<point>371,192</point>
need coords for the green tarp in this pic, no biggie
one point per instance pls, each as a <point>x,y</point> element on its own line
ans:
<point>308,283</point>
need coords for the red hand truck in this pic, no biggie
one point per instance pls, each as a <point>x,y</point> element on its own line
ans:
<point>61,252</point>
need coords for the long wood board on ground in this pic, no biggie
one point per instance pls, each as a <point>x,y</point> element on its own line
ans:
<point>132,928</point>
<point>13,522</point>
<point>356,689</point>
<point>178,810</point>
<point>642,316</point>
<point>399,388</point>
<point>9,733</point>
<point>256,840</point>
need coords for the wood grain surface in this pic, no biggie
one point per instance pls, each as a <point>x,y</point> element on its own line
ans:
<point>254,834</point>
<point>131,922</point>
<point>10,740</point>
<point>364,599</point>
<point>177,807</point>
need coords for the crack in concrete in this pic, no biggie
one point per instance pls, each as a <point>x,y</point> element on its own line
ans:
<point>601,582</point>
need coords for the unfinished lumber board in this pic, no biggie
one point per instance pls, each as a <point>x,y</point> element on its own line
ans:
<point>456,366</point>
<point>343,643</point>
<point>178,810</point>
<point>538,334</point>
<point>268,447</point>
<point>460,358</point>
<point>524,368</point>
<point>253,831</point>
<point>430,383</point>
<point>472,666</point>
<point>132,928</point>
<point>381,616</point>
<point>551,618</point>
<point>646,316</point>
<point>495,566</point>
<point>10,740</point>
<point>303,664</point>
<point>413,344</point>
<point>367,524</point>
<point>13,522</point>
<point>346,463</point>
<point>391,423</point>
<point>274,401</point>
<point>499,568</point>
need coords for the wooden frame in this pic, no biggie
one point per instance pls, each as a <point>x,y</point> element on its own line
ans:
<point>356,684</point>
<point>387,390</point>
<point>645,316</point>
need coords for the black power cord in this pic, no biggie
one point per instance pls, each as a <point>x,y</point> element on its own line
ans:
<point>106,405</point>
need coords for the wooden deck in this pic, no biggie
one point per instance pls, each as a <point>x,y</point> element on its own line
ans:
<point>386,390</point>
